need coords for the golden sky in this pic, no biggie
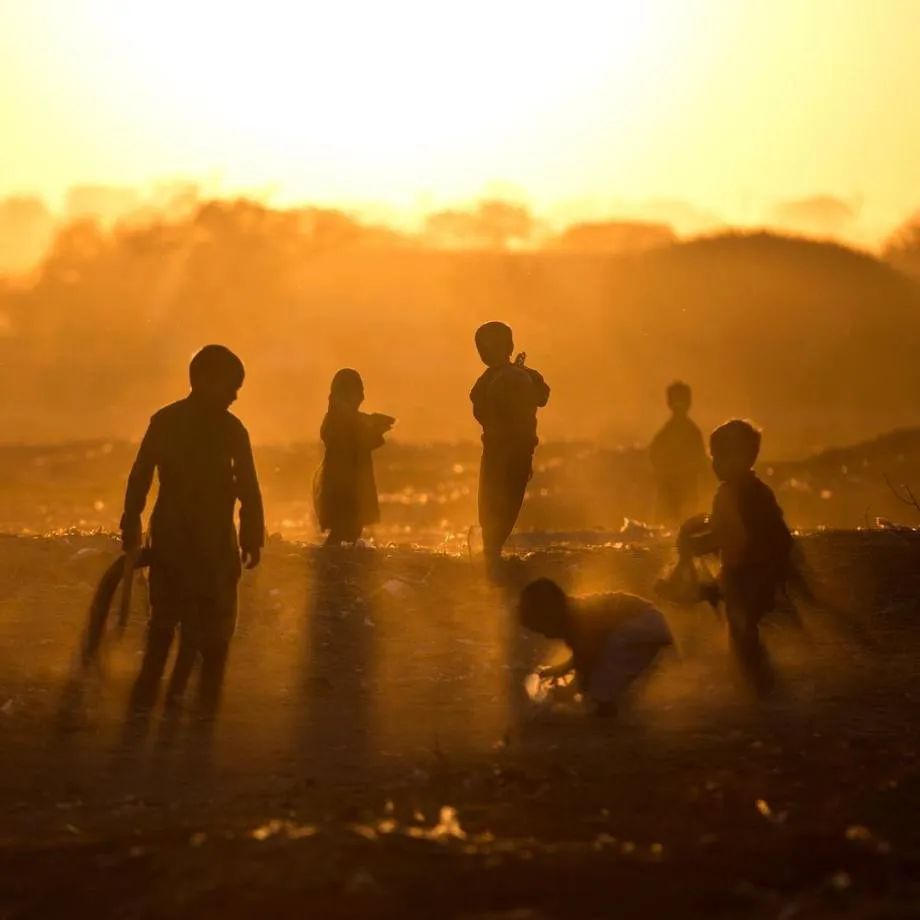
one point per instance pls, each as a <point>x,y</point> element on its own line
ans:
<point>710,109</point>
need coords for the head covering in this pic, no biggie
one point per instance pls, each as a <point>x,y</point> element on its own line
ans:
<point>346,382</point>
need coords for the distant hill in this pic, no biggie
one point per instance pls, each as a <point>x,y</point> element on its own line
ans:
<point>815,341</point>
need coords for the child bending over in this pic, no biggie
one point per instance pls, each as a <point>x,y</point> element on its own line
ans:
<point>613,638</point>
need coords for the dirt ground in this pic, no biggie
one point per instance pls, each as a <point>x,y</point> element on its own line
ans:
<point>376,755</point>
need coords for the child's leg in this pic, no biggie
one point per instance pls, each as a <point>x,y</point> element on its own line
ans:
<point>503,479</point>
<point>144,692</point>
<point>343,534</point>
<point>218,619</point>
<point>747,648</point>
<point>346,527</point>
<point>213,667</point>
<point>183,666</point>
<point>489,505</point>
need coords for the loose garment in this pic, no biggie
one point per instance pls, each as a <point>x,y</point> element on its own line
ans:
<point>203,460</point>
<point>754,544</point>
<point>678,458</point>
<point>505,402</point>
<point>345,491</point>
<point>615,638</point>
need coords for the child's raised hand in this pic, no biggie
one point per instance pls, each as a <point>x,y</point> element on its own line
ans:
<point>382,422</point>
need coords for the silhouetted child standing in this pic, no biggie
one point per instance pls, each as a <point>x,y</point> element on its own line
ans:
<point>678,458</point>
<point>505,401</point>
<point>345,492</point>
<point>614,638</point>
<point>203,459</point>
<point>747,529</point>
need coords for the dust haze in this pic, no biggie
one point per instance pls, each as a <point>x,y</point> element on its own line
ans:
<point>100,311</point>
<point>375,747</point>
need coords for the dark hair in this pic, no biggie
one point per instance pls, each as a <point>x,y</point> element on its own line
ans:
<point>678,388</point>
<point>346,381</point>
<point>541,607</point>
<point>216,361</point>
<point>494,338</point>
<point>737,436</point>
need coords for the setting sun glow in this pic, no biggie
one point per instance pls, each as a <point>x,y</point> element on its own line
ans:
<point>576,108</point>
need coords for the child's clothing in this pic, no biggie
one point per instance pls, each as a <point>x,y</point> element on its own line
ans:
<point>204,462</point>
<point>614,639</point>
<point>748,531</point>
<point>505,401</point>
<point>345,492</point>
<point>755,546</point>
<point>678,458</point>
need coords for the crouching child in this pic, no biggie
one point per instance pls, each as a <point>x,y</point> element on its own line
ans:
<point>613,638</point>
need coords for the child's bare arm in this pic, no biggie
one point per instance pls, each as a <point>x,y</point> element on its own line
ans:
<point>252,518</point>
<point>541,387</point>
<point>139,481</point>
<point>557,670</point>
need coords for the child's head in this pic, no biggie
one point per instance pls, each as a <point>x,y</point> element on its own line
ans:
<point>679,397</point>
<point>216,374</point>
<point>347,389</point>
<point>495,343</point>
<point>543,607</point>
<point>734,447</point>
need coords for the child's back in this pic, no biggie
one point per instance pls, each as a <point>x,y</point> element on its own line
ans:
<point>505,402</point>
<point>614,637</point>
<point>754,542</point>
<point>203,459</point>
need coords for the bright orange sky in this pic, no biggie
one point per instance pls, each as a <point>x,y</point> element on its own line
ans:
<point>698,110</point>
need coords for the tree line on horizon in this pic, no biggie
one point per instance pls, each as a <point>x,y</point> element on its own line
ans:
<point>28,227</point>
<point>810,339</point>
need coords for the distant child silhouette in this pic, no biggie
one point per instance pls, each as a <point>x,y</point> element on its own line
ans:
<point>678,458</point>
<point>203,458</point>
<point>345,493</point>
<point>505,401</point>
<point>746,528</point>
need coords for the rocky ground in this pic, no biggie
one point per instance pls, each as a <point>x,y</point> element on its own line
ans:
<point>376,755</point>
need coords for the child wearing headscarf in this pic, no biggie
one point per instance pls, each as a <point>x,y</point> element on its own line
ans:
<point>345,492</point>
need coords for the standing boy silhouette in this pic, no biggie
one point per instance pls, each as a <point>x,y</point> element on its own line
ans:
<point>505,401</point>
<point>203,459</point>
